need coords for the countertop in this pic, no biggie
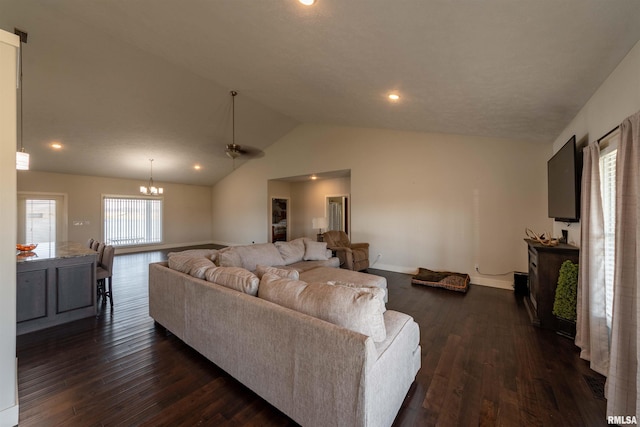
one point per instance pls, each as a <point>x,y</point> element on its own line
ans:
<point>55,250</point>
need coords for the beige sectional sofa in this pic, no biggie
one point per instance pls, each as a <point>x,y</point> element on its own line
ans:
<point>323,353</point>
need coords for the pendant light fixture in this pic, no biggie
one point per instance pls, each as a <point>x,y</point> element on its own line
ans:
<point>22,157</point>
<point>151,189</point>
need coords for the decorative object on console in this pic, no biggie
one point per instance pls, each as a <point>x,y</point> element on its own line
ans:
<point>442,279</point>
<point>151,189</point>
<point>564,305</point>
<point>22,157</point>
<point>319,223</point>
<point>542,239</point>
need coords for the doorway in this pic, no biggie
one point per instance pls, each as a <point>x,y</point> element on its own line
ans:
<point>279,219</point>
<point>337,212</point>
<point>42,218</point>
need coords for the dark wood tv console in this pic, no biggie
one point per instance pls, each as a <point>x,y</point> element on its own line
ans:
<point>544,269</point>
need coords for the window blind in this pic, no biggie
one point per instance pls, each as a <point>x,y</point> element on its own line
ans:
<point>131,221</point>
<point>608,189</point>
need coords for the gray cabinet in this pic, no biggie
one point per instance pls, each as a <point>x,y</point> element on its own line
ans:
<point>55,291</point>
<point>544,269</point>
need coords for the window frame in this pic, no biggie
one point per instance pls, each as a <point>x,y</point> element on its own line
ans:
<point>131,197</point>
<point>608,149</point>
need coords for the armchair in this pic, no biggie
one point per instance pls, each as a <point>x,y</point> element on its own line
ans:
<point>352,256</point>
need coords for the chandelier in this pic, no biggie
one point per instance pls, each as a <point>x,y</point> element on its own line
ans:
<point>150,189</point>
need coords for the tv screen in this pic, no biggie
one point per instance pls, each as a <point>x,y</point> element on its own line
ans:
<point>564,170</point>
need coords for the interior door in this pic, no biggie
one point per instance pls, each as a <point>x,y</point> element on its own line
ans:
<point>279,219</point>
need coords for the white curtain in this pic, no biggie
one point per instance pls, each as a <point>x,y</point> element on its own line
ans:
<point>592,334</point>
<point>623,381</point>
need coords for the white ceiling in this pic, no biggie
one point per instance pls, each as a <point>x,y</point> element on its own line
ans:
<point>121,81</point>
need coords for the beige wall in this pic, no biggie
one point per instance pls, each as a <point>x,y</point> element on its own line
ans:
<point>616,99</point>
<point>420,200</point>
<point>187,208</point>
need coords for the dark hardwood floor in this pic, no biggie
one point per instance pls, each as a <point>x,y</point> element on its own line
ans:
<point>482,364</point>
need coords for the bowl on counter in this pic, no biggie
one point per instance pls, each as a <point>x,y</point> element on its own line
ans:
<point>26,247</point>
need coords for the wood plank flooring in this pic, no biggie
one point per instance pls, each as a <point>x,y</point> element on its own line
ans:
<point>482,365</point>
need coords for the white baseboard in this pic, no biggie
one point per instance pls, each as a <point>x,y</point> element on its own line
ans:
<point>10,416</point>
<point>475,280</point>
<point>161,247</point>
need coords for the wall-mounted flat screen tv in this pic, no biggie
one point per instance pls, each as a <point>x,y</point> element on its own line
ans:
<point>564,171</point>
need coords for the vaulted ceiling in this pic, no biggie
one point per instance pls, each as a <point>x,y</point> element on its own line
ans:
<point>117,82</point>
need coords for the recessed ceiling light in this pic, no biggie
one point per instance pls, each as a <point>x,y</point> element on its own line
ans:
<point>197,167</point>
<point>56,145</point>
<point>394,96</point>
<point>313,177</point>
<point>307,2</point>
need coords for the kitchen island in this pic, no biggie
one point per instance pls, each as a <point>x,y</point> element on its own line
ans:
<point>56,283</point>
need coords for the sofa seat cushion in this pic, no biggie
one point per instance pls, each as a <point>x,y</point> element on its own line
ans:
<point>325,274</point>
<point>236,278</point>
<point>303,266</point>
<point>348,307</point>
<point>193,266</point>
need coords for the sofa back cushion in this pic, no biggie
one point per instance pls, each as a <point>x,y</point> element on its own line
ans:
<point>194,266</point>
<point>261,270</point>
<point>250,256</point>
<point>350,308</point>
<point>292,251</point>
<point>236,278</point>
<point>211,254</point>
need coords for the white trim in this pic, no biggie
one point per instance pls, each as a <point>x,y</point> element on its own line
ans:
<point>11,415</point>
<point>149,248</point>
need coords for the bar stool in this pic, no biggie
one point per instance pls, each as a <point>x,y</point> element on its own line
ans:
<point>104,273</point>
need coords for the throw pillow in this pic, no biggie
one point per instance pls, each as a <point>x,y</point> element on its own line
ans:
<point>195,267</point>
<point>377,292</point>
<point>347,307</point>
<point>236,278</point>
<point>261,270</point>
<point>292,251</point>
<point>315,251</point>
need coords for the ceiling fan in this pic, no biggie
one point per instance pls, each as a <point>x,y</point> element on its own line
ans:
<point>233,150</point>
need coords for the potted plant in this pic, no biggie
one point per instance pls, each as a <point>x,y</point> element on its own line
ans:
<point>564,306</point>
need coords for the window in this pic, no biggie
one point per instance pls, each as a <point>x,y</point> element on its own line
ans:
<point>608,190</point>
<point>41,218</point>
<point>132,221</point>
